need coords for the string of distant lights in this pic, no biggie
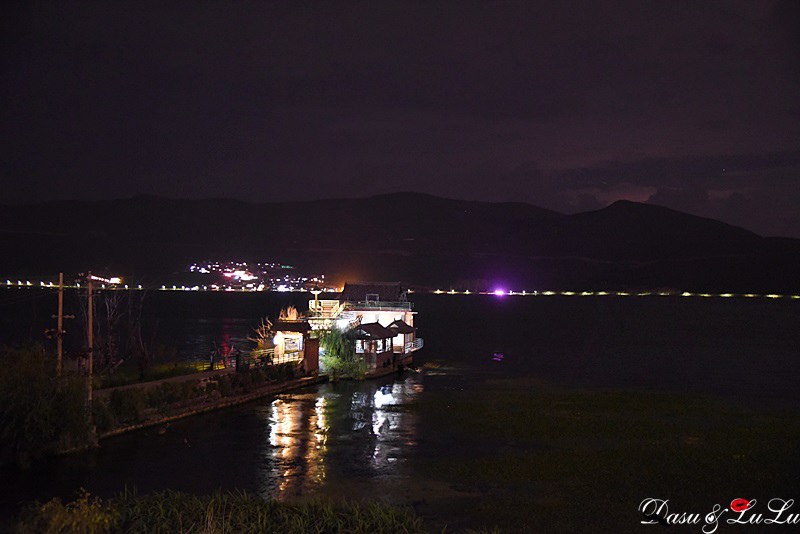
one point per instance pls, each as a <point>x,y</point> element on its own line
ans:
<point>503,293</point>
<point>112,283</point>
<point>27,284</point>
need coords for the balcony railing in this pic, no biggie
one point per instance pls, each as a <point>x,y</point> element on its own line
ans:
<point>411,346</point>
<point>379,305</point>
<point>325,308</point>
<point>269,356</point>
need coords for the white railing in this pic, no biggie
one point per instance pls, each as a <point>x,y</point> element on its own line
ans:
<point>378,305</point>
<point>323,308</point>
<point>409,347</point>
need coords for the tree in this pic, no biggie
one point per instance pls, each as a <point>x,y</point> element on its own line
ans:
<point>340,359</point>
<point>337,344</point>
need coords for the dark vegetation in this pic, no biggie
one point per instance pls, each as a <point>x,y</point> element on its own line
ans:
<point>436,242</point>
<point>133,405</point>
<point>223,512</point>
<point>39,412</point>
<point>129,373</point>
<point>340,359</point>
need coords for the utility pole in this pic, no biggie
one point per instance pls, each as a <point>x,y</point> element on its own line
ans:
<point>60,323</point>
<point>59,332</point>
<point>90,337</point>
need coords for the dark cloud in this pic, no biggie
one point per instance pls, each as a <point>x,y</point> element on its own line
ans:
<point>704,172</point>
<point>757,191</point>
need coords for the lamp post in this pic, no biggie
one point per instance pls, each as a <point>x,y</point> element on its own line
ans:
<point>316,291</point>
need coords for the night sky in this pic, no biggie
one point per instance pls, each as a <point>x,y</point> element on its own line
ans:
<point>565,105</point>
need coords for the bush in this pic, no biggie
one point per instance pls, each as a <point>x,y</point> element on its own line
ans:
<point>339,368</point>
<point>242,381</point>
<point>128,405</point>
<point>172,511</point>
<point>190,390</point>
<point>85,514</point>
<point>39,412</point>
<point>283,372</point>
<point>102,416</point>
<point>258,376</point>
<point>224,385</point>
<point>158,397</point>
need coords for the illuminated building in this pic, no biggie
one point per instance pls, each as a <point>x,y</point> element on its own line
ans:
<point>292,344</point>
<point>380,319</point>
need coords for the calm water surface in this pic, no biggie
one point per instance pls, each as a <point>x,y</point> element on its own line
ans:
<point>376,438</point>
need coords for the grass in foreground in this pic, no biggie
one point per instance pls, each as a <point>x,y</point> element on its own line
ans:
<point>172,511</point>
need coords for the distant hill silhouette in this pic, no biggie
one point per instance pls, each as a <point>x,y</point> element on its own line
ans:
<point>422,239</point>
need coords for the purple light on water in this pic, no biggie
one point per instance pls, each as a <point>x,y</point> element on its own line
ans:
<point>499,292</point>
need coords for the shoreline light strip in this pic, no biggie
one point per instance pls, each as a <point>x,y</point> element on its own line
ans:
<point>550,293</point>
<point>49,285</point>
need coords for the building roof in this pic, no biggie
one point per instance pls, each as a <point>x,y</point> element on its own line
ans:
<point>401,327</point>
<point>291,326</point>
<point>370,331</point>
<point>388,292</point>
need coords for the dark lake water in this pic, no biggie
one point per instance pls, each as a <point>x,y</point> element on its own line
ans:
<point>383,438</point>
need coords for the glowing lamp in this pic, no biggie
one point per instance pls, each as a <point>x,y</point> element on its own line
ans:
<point>499,292</point>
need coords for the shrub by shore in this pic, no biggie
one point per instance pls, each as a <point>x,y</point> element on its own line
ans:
<point>172,511</point>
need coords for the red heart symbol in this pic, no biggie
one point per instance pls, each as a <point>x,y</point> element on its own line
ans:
<point>740,505</point>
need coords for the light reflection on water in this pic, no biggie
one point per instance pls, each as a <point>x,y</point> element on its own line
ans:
<point>297,445</point>
<point>374,421</point>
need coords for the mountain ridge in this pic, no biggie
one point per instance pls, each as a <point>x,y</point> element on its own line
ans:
<point>420,238</point>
